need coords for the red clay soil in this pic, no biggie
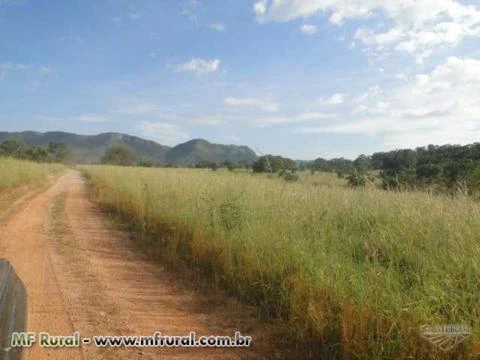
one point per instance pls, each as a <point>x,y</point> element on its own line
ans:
<point>83,275</point>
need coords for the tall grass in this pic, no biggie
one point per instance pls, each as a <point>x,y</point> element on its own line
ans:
<point>15,173</point>
<point>353,273</point>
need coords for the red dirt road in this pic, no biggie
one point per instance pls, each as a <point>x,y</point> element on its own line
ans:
<point>81,275</point>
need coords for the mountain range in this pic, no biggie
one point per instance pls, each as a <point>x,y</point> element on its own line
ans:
<point>90,148</point>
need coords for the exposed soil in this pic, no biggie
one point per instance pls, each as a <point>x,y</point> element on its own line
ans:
<point>84,275</point>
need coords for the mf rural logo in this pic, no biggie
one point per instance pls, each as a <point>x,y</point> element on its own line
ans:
<point>445,337</point>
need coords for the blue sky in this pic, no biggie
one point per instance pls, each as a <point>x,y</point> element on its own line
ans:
<point>304,79</point>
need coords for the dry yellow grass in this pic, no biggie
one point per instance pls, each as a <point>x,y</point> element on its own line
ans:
<point>18,172</point>
<point>353,273</point>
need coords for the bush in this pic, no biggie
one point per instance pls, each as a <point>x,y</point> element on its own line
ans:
<point>37,154</point>
<point>146,163</point>
<point>18,149</point>
<point>270,163</point>
<point>14,148</point>
<point>118,155</point>
<point>58,152</point>
<point>357,179</point>
<point>291,177</point>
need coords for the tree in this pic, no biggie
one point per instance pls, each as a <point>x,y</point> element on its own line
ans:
<point>229,165</point>
<point>58,151</point>
<point>362,163</point>
<point>38,154</point>
<point>357,178</point>
<point>118,155</point>
<point>429,172</point>
<point>321,165</point>
<point>206,165</point>
<point>272,164</point>
<point>13,147</point>
<point>289,176</point>
<point>146,163</point>
<point>339,165</point>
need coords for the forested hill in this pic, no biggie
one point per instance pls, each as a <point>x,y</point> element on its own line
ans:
<point>90,148</point>
<point>198,150</point>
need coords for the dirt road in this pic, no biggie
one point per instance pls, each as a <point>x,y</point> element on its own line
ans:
<point>83,275</point>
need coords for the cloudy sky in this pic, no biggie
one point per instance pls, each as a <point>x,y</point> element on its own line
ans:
<point>302,79</point>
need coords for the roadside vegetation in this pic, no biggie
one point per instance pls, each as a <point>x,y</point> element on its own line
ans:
<point>15,148</point>
<point>21,164</point>
<point>351,273</point>
<point>14,172</point>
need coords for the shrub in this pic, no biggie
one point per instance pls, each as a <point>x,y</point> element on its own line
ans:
<point>357,179</point>
<point>118,155</point>
<point>291,177</point>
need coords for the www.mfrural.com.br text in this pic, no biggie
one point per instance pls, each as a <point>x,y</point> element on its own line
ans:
<point>44,339</point>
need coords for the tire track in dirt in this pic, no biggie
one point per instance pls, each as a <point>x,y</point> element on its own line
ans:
<point>142,297</point>
<point>25,242</point>
<point>81,275</point>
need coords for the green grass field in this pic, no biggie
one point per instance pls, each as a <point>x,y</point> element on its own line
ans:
<point>352,273</point>
<point>15,173</point>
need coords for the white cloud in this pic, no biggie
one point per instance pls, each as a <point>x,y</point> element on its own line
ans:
<point>190,9</point>
<point>218,26</point>
<point>37,75</point>
<point>6,68</point>
<point>73,39</point>
<point>295,119</point>
<point>309,116</point>
<point>286,10</point>
<point>360,109</point>
<point>260,7</point>
<point>35,84</point>
<point>46,70</point>
<point>90,119</point>
<point>255,103</point>
<point>230,139</point>
<point>138,109</point>
<point>207,121</point>
<point>438,107</point>
<point>309,29</point>
<point>417,27</point>
<point>335,99</point>
<point>134,16</point>
<point>372,93</point>
<point>165,133</point>
<point>10,67</point>
<point>199,66</point>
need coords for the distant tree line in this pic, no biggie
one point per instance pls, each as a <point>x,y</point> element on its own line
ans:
<point>447,167</point>
<point>338,165</point>
<point>286,168</point>
<point>54,152</point>
<point>273,164</point>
